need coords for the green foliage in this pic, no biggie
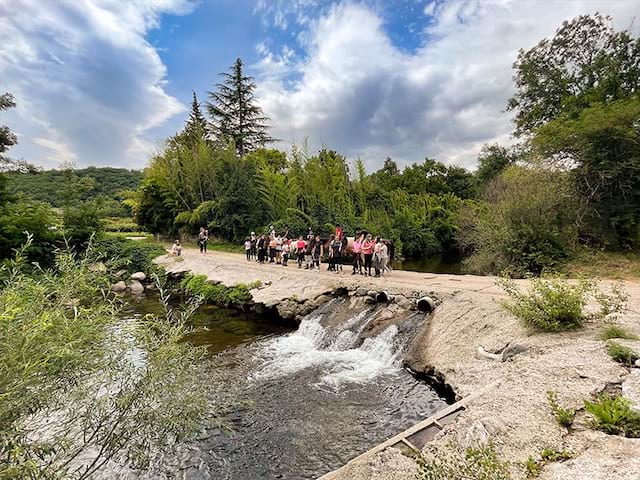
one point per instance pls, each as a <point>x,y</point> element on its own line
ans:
<point>622,354</point>
<point>603,141</point>
<point>76,392</point>
<point>552,455</point>
<point>493,159</point>
<point>550,305</point>
<point>614,415</point>
<point>533,467</point>
<point>586,61</point>
<point>7,137</point>
<point>525,223</point>
<point>47,186</point>
<point>37,218</point>
<point>132,255</point>
<point>235,114</point>
<point>616,331</point>
<point>564,416</point>
<point>216,293</point>
<point>453,462</point>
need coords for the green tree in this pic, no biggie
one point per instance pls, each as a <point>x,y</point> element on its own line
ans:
<point>80,218</point>
<point>602,144</point>
<point>234,113</point>
<point>586,61</point>
<point>493,159</point>
<point>524,223</point>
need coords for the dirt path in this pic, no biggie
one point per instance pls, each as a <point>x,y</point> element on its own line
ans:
<point>514,414</point>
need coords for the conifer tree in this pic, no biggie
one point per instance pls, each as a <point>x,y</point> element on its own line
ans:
<point>195,128</point>
<point>234,113</point>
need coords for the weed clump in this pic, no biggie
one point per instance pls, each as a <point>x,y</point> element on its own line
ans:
<point>616,331</point>
<point>564,416</point>
<point>621,354</point>
<point>614,415</point>
<point>451,461</point>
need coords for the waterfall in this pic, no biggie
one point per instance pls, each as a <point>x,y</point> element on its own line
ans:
<point>336,356</point>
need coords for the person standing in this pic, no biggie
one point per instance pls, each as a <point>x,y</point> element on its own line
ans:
<point>203,238</point>
<point>300,249</point>
<point>286,250</point>
<point>376,256</point>
<point>357,253</point>
<point>254,246</point>
<point>247,248</point>
<point>384,257</point>
<point>332,241</point>
<point>317,253</point>
<point>367,251</point>
<point>262,249</point>
<point>308,253</point>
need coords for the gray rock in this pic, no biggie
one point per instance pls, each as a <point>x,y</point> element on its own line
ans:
<point>120,273</point>
<point>136,287</point>
<point>139,276</point>
<point>119,286</point>
<point>631,388</point>
<point>403,302</point>
<point>361,291</point>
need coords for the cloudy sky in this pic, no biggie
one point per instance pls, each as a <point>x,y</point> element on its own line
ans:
<point>102,82</point>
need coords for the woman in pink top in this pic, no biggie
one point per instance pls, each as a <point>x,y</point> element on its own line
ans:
<point>357,254</point>
<point>367,250</point>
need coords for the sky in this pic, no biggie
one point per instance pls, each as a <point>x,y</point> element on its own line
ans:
<point>103,82</point>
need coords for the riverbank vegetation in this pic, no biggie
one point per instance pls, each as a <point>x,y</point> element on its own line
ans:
<point>81,388</point>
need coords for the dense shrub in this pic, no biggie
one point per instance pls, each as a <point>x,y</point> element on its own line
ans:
<point>614,415</point>
<point>216,293</point>
<point>548,305</point>
<point>522,224</point>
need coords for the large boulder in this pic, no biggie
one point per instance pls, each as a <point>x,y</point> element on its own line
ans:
<point>136,287</point>
<point>119,286</point>
<point>139,276</point>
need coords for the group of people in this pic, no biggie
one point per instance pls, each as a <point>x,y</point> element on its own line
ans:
<point>364,252</point>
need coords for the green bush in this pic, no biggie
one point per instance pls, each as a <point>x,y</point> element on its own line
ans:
<point>550,455</point>
<point>621,354</point>
<point>533,467</point>
<point>453,462</point>
<point>132,255</point>
<point>564,416</point>
<point>548,305</point>
<point>616,331</point>
<point>216,293</point>
<point>614,415</point>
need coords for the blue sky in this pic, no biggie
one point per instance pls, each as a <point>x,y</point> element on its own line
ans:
<point>103,82</point>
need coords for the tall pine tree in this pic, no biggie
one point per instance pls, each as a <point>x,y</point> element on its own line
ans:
<point>195,128</point>
<point>234,113</point>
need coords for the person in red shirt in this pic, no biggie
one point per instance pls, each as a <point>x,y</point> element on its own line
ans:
<point>339,232</point>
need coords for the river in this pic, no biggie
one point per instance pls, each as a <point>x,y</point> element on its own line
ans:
<point>300,403</point>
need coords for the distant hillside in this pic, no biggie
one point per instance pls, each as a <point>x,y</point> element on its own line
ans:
<point>46,185</point>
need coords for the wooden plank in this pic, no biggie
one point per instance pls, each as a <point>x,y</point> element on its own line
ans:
<point>416,428</point>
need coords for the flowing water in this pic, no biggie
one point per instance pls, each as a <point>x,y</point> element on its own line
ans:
<point>301,403</point>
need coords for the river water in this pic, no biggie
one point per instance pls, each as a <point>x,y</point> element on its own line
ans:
<point>298,403</point>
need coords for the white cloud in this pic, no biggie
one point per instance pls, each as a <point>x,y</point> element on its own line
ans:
<point>360,94</point>
<point>89,86</point>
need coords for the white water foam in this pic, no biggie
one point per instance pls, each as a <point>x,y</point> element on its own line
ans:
<point>336,359</point>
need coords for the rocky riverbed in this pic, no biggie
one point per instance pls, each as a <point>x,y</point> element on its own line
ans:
<point>514,411</point>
